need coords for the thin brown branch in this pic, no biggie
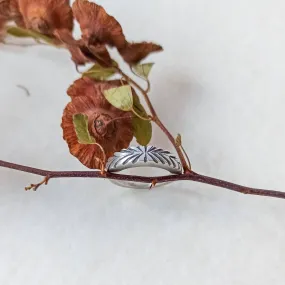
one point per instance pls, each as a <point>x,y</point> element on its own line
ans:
<point>192,176</point>
<point>24,45</point>
<point>36,186</point>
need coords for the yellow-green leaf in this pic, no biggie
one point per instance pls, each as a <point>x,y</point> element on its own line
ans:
<point>178,140</point>
<point>80,122</point>
<point>142,128</point>
<point>24,33</point>
<point>99,72</point>
<point>143,70</point>
<point>120,97</point>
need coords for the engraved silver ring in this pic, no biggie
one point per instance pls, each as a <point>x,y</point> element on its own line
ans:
<point>143,156</point>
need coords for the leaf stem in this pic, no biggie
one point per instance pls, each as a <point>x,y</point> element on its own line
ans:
<point>139,116</point>
<point>104,156</point>
<point>23,45</point>
<point>119,118</point>
<point>187,157</point>
<point>156,119</point>
<point>191,176</point>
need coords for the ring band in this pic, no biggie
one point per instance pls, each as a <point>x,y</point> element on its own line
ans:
<point>143,156</point>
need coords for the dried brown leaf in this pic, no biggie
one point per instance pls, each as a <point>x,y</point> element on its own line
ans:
<point>77,56</point>
<point>66,37</point>
<point>97,26</point>
<point>89,87</point>
<point>113,135</point>
<point>45,16</point>
<point>2,26</point>
<point>98,54</point>
<point>133,53</point>
<point>9,11</point>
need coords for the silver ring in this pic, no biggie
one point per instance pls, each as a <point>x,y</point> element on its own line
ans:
<point>143,156</point>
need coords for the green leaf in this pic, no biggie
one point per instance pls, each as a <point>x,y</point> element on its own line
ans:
<point>142,128</point>
<point>143,70</point>
<point>120,97</point>
<point>99,72</point>
<point>24,33</point>
<point>80,122</point>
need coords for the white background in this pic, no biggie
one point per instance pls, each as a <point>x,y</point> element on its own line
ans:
<point>220,83</point>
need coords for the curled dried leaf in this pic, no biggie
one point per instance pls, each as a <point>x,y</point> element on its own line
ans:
<point>77,56</point>
<point>5,9</point>
<point>86,86</point>
<point>98,54</point>
<point>65,37</point>
<point>113,135</point>
<point>9,11</point>
<point>2,27</point>
<point>45,16</point>
<point>133,53</point>
<point>97,26</point>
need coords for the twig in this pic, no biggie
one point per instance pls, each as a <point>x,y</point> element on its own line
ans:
<point>25,89</point>
<point>192,176</point>
<point>36,186</point>
<point>23,45</point>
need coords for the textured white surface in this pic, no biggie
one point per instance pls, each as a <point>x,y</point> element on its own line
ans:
<point>220,82</point>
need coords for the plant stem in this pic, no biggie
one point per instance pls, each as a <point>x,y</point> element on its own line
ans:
<point>24,45</point>
<point>186,155</point>
<point>120,118</point>
<point>139,116</point>
<point>130,80</point>
<point>103,163</point>
<point>192,176</point>
<point>157,120</point>
<point>172,140</point>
